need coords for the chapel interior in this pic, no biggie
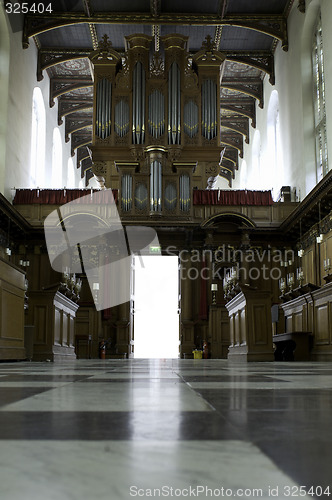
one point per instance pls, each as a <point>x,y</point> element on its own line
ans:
<point>149,129</point>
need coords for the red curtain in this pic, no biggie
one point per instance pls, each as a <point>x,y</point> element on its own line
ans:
<point>231,197</point>
<point>55,196</point>
<point>200,197</point>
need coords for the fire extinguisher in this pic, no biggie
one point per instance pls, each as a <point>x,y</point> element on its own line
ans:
<point>102,349</point>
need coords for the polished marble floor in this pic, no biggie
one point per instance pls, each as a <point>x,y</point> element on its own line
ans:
<point>120,429</point>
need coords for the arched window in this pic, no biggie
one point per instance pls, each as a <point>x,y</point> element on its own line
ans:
<point>275,163</point>
<point>255,174</point>
<point>243,175</point>
<point>57,160</point>
<point>38,131</point>
<point>70,174</point>
<point>319,101</point>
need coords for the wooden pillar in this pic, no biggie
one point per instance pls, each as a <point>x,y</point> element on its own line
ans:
<point>124,344</point>
<point>219,331</point>
<point>187,323</point>
<point>52,314</point>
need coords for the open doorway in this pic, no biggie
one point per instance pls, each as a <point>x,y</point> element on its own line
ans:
<point>156,302</point>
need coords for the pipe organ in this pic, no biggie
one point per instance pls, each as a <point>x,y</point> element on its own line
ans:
<point>138,103</point>
<point>174,100</point>
<point>157,119</point>
<point>103,108</point>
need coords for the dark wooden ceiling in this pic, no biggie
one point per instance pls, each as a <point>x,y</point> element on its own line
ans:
<point>247,31</point>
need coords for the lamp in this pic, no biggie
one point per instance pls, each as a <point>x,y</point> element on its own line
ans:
<point>327,265</point>
<point>214,289</point>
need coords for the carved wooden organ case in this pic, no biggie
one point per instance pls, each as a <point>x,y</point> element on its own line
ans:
<point>156,116</point>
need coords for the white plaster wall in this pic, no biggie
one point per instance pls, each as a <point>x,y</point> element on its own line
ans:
<point>294,85</point>
<point>4,78</point>
<point>22,80</point>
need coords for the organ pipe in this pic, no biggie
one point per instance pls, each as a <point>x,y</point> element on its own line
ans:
<point>103,108</point>
<point>209,109</point>
<point>174,100</point>
<point>121,118</point>
<point>155,186</point>
<point>156,119</point>
<point>190,117</point>
<point>138,104</point>
<point>126,192</point>
<point>184,193</point>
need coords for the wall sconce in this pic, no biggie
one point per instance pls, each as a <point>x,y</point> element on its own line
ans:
<point>327,266</point>
<point>8,251</point>
<point>24,263</point>
<point>319,239</point>
<point>214,289</point>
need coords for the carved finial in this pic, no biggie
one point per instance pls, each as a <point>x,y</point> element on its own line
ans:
<point>105,44</point>
<point>208,44</point>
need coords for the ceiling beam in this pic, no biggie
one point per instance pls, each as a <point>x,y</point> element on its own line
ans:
<point>272,25</point>
<point>236,124</point>
<point>60,86</point>
<point>67,106</point>
<point>155,7</point>
<point>245,107</point>
<point>222,6</point>
<point>262,60</point>
<point>251,87</point>
<point>48,57</point>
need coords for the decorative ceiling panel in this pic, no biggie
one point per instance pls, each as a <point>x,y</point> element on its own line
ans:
<point>225,93</point>
<point>72,36</point>
<point>241,70</point>
<point>70,68</point>
<point>85,92</point>
<point>236,38</point>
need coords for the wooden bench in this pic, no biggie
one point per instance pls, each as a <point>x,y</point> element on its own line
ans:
<point>292,346</point>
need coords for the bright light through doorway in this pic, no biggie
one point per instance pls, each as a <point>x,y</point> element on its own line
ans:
<point>156,319</point>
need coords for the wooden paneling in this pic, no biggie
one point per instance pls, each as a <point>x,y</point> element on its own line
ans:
<point>40,315</point>
<point>250,317</point>
<point>312,312</point>
<point>51,313</point>
<point>11,312</point>
<point>87,322</point>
